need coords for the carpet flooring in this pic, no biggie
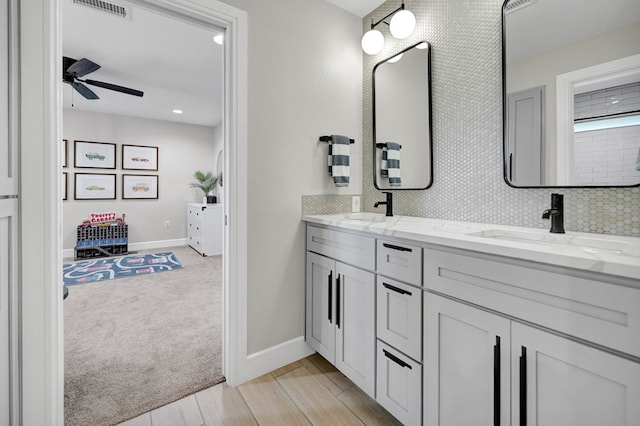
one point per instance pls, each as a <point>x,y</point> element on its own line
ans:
<point>135,344</point>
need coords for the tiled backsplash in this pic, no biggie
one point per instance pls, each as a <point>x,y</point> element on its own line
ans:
<point>466,67</point>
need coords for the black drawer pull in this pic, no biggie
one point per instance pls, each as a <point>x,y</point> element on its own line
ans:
<point>399,248</point>
<point>396,289</point>
<point>397,360</point>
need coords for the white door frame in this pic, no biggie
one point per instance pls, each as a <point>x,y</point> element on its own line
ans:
<point>41,325</point>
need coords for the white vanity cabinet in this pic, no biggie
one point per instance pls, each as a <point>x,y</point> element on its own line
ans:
<point>340,305</point>
<point>205,227</point>
<point>399,329</point>
<point>505,371</point>
<point>471,330</point>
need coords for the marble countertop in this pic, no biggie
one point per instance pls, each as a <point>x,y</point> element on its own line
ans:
<point>607,254</point>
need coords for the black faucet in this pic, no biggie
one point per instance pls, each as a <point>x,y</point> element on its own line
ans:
<point>556,214</point>
<point>388,203</point>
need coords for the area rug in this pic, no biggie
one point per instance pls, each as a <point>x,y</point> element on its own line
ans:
<point>135,344</point>
<point>118,267</point>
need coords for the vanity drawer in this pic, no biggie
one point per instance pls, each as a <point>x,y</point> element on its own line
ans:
<point>356,250</point>
<point>399,384</point>
<point>594,307</point>
<point>399,316</point>
<point>400,261</point>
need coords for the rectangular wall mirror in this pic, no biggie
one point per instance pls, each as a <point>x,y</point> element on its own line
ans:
<point>571,72</point>
<point>402,157</point>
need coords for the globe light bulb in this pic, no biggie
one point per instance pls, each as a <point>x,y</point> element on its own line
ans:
<point>372,42</point>
<point>402,24</point>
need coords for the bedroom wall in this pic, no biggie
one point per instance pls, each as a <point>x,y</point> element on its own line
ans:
<point>182,149</point>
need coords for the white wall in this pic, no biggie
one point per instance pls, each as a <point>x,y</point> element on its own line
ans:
<point>182,149</point>
<point>305,80</point>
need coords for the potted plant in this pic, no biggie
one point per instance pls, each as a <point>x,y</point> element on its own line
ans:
<point>206,182</point>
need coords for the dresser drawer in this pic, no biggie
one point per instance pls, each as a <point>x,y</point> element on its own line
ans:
<point>594,307</point>
<point>399,385</point>
<point>352,249</point>
<point>400,261</point>
<point>399,316</point>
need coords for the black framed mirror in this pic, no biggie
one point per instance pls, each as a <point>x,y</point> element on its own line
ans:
<point>571,88</point>
<point>402,143</point>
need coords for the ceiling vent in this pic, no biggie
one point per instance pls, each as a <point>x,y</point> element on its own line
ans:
<point>515,5</point>
<point>107,7</point>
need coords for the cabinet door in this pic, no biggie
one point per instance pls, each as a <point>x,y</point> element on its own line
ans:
<point>559,382</point>
<point>8,311</point>
<point>355,326</point>
<point>466,365</point>
<point>320,328</point>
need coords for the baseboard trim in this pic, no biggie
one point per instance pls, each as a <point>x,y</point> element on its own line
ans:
<point>270,359</point>
<point>68,253</point>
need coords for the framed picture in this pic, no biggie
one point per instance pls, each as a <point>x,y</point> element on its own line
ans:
<point>95,155</point>
<point>138,157</point>
<point>139,187</point>
<point>89,186</point>
<point>65,186</point>
<point>65,153</point>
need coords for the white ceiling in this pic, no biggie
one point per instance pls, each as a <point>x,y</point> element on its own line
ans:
<point>565,22</point>
<point>176,64</point>
<point>360,8</point>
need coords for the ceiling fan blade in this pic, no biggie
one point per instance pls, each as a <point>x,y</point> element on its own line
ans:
<point>82,67</point>
<point>115,87</point>
<point>84,90</point>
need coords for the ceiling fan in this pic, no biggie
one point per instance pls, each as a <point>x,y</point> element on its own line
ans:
<point>73,69</point>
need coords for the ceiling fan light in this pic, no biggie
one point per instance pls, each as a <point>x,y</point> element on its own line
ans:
<point>372,42</point>
<point>402,24</point>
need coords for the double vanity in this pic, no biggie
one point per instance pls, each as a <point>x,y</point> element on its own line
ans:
<point>452,323</point>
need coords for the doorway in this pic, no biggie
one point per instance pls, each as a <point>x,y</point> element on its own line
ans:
<point>41,329</point>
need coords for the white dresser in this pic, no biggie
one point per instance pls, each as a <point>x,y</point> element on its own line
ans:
<point>204,228</point>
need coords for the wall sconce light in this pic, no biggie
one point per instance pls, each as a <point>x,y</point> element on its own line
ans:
<point>402,24</point>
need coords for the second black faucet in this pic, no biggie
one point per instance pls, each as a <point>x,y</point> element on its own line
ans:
<point>388,203</point>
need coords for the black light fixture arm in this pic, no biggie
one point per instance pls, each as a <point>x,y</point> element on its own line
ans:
<point>383,19</point>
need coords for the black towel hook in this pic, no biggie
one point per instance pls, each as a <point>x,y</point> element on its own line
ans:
<point>383,145</point>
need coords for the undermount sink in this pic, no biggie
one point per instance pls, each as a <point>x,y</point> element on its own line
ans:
<point>364,217</point>
<point>596,244</point>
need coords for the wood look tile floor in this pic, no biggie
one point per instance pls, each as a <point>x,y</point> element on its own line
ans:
<point>307,392</point>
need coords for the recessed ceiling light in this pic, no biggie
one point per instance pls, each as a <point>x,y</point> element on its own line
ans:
<point>177,111</point>
<point>219,38</point>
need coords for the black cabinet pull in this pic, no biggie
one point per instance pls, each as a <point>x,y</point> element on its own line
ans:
<point>496,382</point>
<point>330,293</point>
<point>523,387</point>
<point>396,289</point>
<point>397,360</point>
<point>399,248</point>
<point>338,301</point>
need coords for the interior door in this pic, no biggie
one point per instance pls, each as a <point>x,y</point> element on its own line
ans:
<point>526,137</point>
